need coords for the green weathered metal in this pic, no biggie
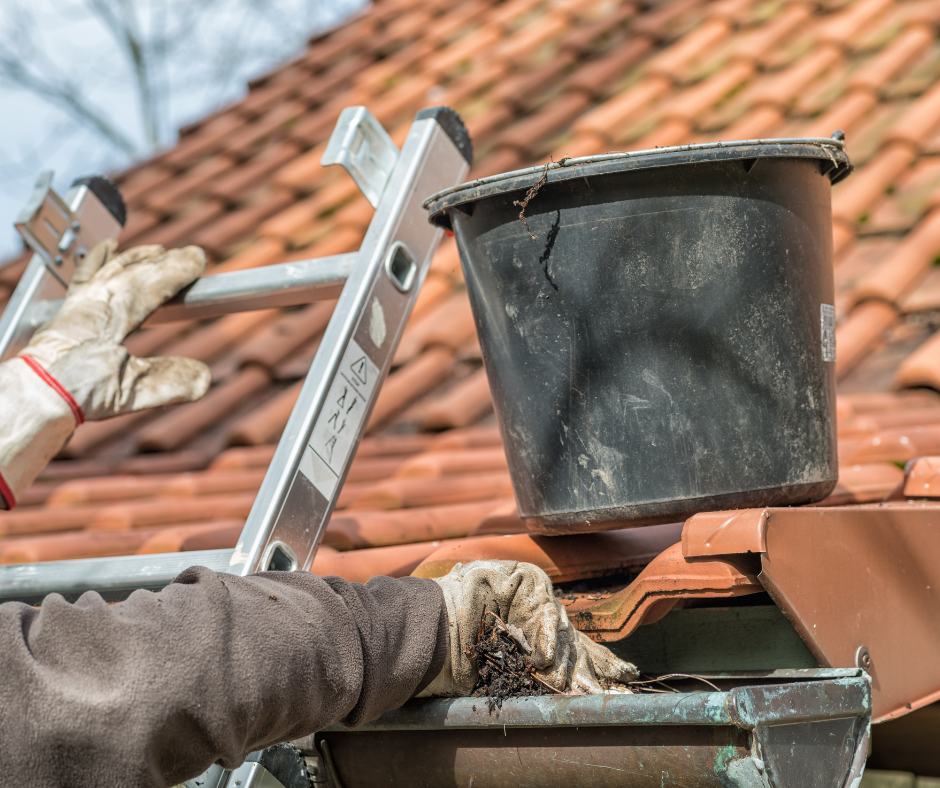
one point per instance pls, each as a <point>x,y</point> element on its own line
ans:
<point>799,729</point>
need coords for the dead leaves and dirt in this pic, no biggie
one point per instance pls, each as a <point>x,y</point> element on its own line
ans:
<point>503,669</point>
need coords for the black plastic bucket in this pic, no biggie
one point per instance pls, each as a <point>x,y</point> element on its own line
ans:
<point>665,345</point>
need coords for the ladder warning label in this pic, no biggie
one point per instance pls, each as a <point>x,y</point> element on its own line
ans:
<point>340,421</point>
<point>359,370</point>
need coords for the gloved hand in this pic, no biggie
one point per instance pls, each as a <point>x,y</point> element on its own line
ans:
<point>521,595</point>
<point>77,368</point>
<point>108,298</point>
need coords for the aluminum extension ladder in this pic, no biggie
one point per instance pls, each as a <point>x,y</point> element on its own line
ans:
<point>377,288</point>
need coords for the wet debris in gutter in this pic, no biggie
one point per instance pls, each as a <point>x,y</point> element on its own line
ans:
<point>503,669</point>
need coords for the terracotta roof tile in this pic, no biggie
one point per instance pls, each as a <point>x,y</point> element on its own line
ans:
<point>339,241</point>
<point>592,34</point>
<point>871,183</point>
<point>57,547</point>
<point>238,182</point>
<point>178,230</point>
<point>563,558</point>
<point>845,115</point>
<point>913,195</point>
<point>180,424</point>
<point>360,565</point>
<point>449,323</point>
<point>409,381</point>
<point>921,368</point>
<point>167,198</point>
<point>273,92</point>
<point>926,296</point>
<point>107,489</point>
<point>458,18</point>
<point>462,405</point>
<point>355,530</point>
<point>912,258</point>
<point>407,493</point>
<point>92,434</point>
<point>894,58</point>
<point>692,102</point>
<point>671,62</point>
<point>291,330</point>
<point>756,42</point>
<point>207,140</point>
<point>921,118</point>
<point>326,84</point>
<point>296,222</point>
<point>784,87</point>
<point>526,42</point>
<point>138,222</point>
<point>198,536</point>
<point>529,134</point>
<point>169,462</point>
<point>488,120</point>
<point>845,25</point>
<point>392,70</point>
<point>143,181</point>
<point>502,160</point>
<point>862,328</point>
<point>520,90</point>
<point>261,252</point>
<point>599,76</point>
<point>265,423</point>
<point>510,12</point>
<point>668,20</point>
<point>208,342</point>
<point>899,444</point>
<point>437,463</point>
<point>867,483</point>
<point>168,511</point>
<point>531,78</point>
<point>218,236</point>
<point>607,118</point>
<point>673,131</point>
<point>760,122</point>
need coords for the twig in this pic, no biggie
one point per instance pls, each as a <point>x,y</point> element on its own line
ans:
<point>658,679</point>
<point>524,202</point>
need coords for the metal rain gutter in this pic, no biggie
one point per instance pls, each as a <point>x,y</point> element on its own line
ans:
<point>811,731</point>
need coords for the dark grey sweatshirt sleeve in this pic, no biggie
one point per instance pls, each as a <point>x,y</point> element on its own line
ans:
<point>151,691</point>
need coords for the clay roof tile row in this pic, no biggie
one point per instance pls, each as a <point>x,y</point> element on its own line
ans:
<point>533,79</point>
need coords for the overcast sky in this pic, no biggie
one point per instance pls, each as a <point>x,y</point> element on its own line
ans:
<point>228,43</point>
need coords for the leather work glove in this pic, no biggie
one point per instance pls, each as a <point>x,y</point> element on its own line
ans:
<point>521,595</point>
<point>76,367</point>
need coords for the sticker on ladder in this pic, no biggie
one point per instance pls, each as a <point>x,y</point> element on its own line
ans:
<point>340,419</point>
<point>827,322</point>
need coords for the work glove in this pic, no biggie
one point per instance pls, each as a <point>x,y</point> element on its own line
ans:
<point>76,367</point>
<point>521,595</point>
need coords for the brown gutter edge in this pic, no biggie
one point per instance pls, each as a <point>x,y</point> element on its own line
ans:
<point>859,584</point>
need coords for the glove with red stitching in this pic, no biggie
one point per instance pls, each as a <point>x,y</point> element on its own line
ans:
<point>77,368</point>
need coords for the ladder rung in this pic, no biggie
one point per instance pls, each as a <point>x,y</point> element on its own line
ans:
<point>113,578</point>
<point>286,284</point>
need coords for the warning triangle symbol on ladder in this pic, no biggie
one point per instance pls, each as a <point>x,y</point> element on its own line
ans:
<point>359,370</point>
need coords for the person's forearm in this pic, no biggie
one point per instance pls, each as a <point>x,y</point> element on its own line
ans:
<point>151,691</point>
<point>35,423</point>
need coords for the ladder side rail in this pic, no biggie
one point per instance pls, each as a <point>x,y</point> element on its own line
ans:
<point>289,513</point>
<point>306,474</point>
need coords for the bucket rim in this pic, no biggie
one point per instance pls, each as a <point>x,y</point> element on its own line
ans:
<point>830,149</point>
